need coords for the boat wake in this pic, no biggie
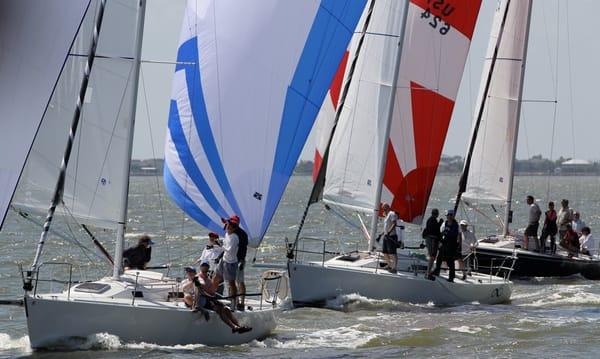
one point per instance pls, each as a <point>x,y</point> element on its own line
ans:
<point>18,346</point>
<point>350,337</point>
<point>559,296</point>
<point>355,302</point>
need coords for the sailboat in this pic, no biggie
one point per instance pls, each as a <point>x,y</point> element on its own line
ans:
<point>391,117</point>
<point>487,178</point>
<point>262,74</point>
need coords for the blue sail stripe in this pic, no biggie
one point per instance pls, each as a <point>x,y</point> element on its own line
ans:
<point>188,53</point>
<point>333,26</point>
<point>186,203</point>
<point>187,160</point>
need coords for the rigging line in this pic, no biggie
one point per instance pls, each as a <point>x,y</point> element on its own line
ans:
<point>158,188</point>
<point>93,238</point>
<point>103,56</point>
<point>569,66</point>
<point>79,244</point>
<point>555,111</point>
<point>320,178</point>
<point>462,183</point>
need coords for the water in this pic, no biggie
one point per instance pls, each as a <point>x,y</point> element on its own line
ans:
<point>547,317</point>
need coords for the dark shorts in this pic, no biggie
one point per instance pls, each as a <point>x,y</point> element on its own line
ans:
<point>390,244</point>
<point>532,229</point>
<point>432,245</point>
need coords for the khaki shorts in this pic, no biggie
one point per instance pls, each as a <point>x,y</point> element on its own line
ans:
<point>227,270</point>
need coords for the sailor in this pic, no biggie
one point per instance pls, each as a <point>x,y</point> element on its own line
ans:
<point>241,257</point>
<point>550,229</point>
<point>565,216</point>
<point>207,300</point>
<point>138,257</point>
<point>569,241</point>
<point>448,246</point>
<point>187,286</point>
<point>577,223</point>
<point>588,244</point>
<point>390,238</point>
<point>467,243</point>
<point>212,252</point>
<point>432,235</point>
<point>227,268</point>
<point>533,224</point>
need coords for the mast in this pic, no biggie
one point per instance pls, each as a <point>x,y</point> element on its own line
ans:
<point>507,215</point>
<point>60,183</point>
<point>122,224</point>
<point>390,113</point>
<point>462,183</point>
<point>319,181</point>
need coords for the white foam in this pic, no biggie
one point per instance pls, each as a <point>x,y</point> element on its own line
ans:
<point>344,337</point>
<point>20,344</point>
<point>466,329</point>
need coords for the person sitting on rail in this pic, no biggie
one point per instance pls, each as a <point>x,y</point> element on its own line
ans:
<point>187,286</point>
<point>587,244</point>
<point>569,241</point>
<point>206,299</point>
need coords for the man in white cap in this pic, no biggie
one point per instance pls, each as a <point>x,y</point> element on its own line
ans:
<point>390,238</point>
<point>468,242</point>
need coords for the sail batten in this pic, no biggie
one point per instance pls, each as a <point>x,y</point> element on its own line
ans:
<point>244,100</point>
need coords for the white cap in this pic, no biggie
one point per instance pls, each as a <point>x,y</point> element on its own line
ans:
<point>463,222</point>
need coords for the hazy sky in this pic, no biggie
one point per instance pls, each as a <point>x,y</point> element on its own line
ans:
<point>562,32</point>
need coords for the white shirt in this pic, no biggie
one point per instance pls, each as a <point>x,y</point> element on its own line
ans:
<point>210,254</point>
<point>534,213</point>
<point>187,286</point>
<point>230,245</point>
<point>391,219</point>
<point>588,242</point>
<point>468,240</point>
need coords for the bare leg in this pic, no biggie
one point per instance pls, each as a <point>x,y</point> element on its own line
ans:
<point>242,291</point>
<point>394,262</point>
<point>226,316</point>
<point>525,242</point>
<point>188,300</point>
<point>232,292</point>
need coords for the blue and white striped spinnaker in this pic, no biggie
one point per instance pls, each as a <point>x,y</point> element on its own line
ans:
<point>250,79</point>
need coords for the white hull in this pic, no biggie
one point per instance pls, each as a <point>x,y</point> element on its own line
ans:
<point>53,319</point>
<point>313,283</point>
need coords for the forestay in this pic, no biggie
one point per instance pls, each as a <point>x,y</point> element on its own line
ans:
<point>95,175</point>
<point>489,175</point>
<point>435,48</point>
<point>35,38</point>
<point>250,79</point>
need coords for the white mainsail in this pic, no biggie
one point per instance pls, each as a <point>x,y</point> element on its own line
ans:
<point>95,175</point>
<point>35,38</point>
<point>489,176</point>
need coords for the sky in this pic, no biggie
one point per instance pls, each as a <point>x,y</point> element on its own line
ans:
<point>562,66</point>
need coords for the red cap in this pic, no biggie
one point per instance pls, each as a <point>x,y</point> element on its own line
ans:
<point>213,235</point>
<point>233,220</point>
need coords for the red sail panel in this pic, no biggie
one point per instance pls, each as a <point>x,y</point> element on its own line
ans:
<point>431,114</point>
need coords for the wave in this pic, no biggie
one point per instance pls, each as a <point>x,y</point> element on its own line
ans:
<point>20,345</point>
<point>351,337</point>
<point>354,302</point>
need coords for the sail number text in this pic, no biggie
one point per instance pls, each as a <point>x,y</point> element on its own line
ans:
<point>437,21</point>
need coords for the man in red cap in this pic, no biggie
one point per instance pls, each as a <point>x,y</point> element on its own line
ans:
<point>241,257</point>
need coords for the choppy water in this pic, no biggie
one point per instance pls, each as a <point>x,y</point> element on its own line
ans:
<point>546,318</point>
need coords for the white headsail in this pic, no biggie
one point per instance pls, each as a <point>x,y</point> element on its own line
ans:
<point>436,42</point>
<point>35,38</point>
<point>489,172</point>
<point>250,79</point>
<point>95,175</point>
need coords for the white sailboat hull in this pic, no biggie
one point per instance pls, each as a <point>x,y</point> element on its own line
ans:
<point>314,283</point>
<point>55,319</point>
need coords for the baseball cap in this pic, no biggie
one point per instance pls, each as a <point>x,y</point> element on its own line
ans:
<point>145,239</point>
<point>204,263</point>
<point>450,212</point>
<point>463,222</point>
<point>213,235</point>
<point>189,269</point>
<point>233,219</point>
